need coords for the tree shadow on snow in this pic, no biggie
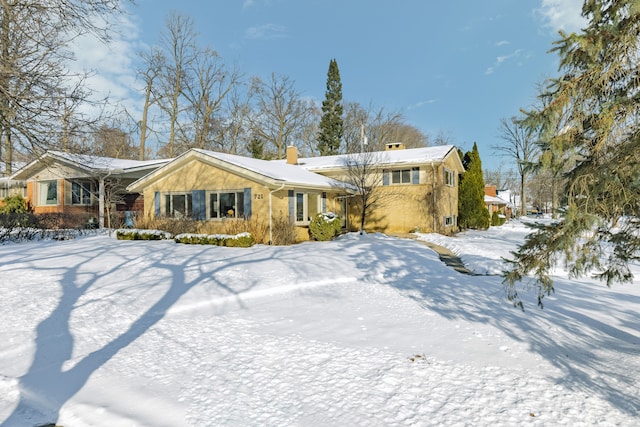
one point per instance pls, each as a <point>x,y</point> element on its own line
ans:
<point>582,332</point>
<point>49,383</point>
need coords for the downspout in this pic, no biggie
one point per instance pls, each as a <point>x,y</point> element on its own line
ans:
<point>271,212</point>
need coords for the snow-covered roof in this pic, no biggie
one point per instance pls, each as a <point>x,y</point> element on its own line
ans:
<point>272,172</point>
<point>91,164</point>
<point>106,163</point>
<point>279,171</point>
<point>384,158</point>
<point>494,200</point>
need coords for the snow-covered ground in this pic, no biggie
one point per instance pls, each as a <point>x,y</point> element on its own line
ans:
<point>361,331</point>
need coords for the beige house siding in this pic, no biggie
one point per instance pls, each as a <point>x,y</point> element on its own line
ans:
<point>408,207</point>
<point>415,195</point>
<point>198,175</point>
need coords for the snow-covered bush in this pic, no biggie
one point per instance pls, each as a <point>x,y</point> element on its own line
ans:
<point>497,219</point>
<point>325,226</point>
<point>241,240</point>
<point>137,234</point>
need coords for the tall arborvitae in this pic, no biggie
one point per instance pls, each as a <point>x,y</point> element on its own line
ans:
<point>472,212</point>
<point>590,133</point>
<point>331,124</point>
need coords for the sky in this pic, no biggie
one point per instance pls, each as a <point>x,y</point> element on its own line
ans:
<point>452,68</point>
<point>376,331</point>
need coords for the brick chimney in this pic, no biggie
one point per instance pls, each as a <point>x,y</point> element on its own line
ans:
<point>292,155</point>
<point>490,190</point>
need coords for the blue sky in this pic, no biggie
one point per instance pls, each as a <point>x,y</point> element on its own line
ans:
<point>453,67</point>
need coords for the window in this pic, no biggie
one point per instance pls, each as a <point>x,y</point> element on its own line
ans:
<point>47,193</point>
<point>177,205</point>
<point>81,193</point>
<point>226,205</point>
<point>449,178</point>
<point>306,206</point>
<point>302,206</point>
<point>450,221</point>
<point>401,176</point>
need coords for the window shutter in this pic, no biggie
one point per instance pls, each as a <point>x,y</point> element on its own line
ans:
<point>156,203</point>
<point>292,202</point>
<point>247,203</point>
<point>198,206</point>
<point>385,177</point>
<point>415,176</point>
<point>324,202</point>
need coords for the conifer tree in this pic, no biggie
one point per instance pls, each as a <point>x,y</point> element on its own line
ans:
<point>331,124</point>
<point>590,127</point>
<point>472,212</point>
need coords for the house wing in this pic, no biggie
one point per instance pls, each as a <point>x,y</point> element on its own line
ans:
<point>87,165</point>
<point>271,174</point>
<point>388,158</point>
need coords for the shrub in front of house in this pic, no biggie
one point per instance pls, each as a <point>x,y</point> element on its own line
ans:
<point>325,226</point>
<point>497,219</point>
<point>137,234</point>
<point>241,240</point>
<point>15,204</point>
<point>284,232</point>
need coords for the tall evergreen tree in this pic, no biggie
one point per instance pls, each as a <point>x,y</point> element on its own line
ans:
<point>590,127</point>
<point>331,124</point>
<point>472,212</point>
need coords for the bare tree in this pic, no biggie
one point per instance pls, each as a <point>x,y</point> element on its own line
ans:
<point>235,132</point>
<point>380,128</point>
<point>112,140</point>
<point>178,44</point>
<point>205,93</point>
<point>519,143</point>
<point>356,120</point>
<point>279,112</point>
<point>364,176</point>
<point>153,63</point>
<point>38,92</point>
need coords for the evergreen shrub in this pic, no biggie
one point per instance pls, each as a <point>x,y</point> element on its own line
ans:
<point>14,204</point>
<point>137,234</point>
<point>241,240</point>
<point>497,219</point>
<point>325,226</point>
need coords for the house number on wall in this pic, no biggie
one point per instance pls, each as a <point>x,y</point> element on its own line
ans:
<point>258,196</point>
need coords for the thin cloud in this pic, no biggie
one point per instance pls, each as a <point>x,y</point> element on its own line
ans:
<point>515,56</point>
<point>248,3</point>
<point>502,43</point>
<point>421,104</point>
<point>266,32</point>
<point>562,14</point>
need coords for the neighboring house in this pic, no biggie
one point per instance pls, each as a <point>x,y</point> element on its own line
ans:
<point>11,187</point>
<point>494,203</point>
<point>59,182</point>
<point>422,185</point>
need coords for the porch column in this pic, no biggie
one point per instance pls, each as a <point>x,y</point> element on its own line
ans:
<point>101,202</point>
